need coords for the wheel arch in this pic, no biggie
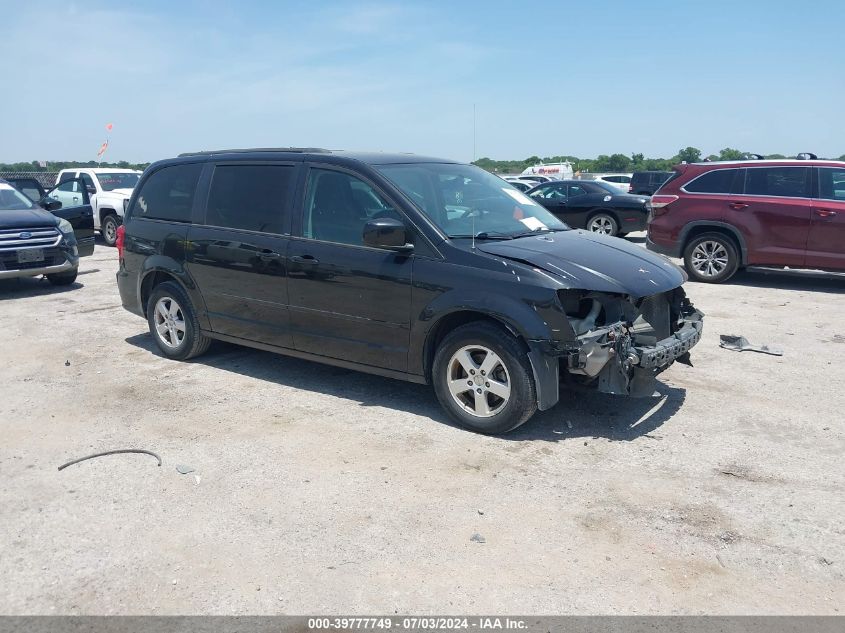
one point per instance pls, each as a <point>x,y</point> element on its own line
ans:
<point>157,273</point>
<point>455,319</point>
<point>546,371</point>
<point>694,229</point>
<point>105,211</point>
<point>611,212</point>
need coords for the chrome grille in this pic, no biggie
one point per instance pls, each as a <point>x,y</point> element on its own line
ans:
<point>40,237</point>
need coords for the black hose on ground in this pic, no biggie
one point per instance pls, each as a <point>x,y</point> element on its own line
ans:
<point>115,452</point>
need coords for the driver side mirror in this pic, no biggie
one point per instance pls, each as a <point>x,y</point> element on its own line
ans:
<point>91,189</point>
<point>387,233</point>
<point>50,204</point>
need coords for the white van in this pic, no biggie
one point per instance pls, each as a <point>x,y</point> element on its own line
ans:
<point>556,171</point>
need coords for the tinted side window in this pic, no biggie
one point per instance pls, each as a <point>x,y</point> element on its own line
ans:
<point>337,206</point>
<point>716,181</point>
<point>89,182</point>
<point>67,176</point>
<point>168,194</point>
<point>832,183</point>
<point>551,192</point>
<point>788,182</point>
<point>67,185</point>
<point>249,197</point>
<point>577,190</point>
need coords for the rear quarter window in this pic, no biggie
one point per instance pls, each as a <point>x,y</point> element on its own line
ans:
<point>168,194</point>
<point>716,181</point>
<point>832,183</point>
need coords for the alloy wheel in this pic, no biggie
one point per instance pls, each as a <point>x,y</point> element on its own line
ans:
<point>478,381</point>
<point>169,322</point>
<point>601,224</point>
<point>709,258</point>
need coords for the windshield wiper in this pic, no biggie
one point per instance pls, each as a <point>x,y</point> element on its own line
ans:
<point>487,235</point>
<point>537,232</point>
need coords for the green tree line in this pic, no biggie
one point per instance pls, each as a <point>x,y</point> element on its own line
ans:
<point>58,165</point>
<point>617,162</point>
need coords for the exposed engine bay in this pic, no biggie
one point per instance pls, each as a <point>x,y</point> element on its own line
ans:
<point>622,344</point>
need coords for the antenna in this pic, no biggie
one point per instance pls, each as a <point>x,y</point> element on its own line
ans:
<point>474,153</point>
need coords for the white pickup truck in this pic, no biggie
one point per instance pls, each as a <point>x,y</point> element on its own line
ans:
<point>109,189</point>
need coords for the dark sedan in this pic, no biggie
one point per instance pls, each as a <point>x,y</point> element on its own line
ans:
<point>595,206</point>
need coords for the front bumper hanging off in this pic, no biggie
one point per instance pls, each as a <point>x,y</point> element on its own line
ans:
<point>621,366</point>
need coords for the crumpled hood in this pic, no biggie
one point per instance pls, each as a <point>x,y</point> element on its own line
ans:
<point>589,261</point>
<point>26,219</point>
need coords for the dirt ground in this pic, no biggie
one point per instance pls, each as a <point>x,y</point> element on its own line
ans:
<point>321,490</point>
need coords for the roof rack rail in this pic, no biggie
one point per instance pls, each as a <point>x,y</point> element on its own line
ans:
<point>754,157</point>
<point>291,150</point>
<point>806,156</point>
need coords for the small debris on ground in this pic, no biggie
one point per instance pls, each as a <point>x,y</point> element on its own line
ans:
<point>741,344</point>
<point>477,538</point>
<point>480,511</point>
<point>67,363</point>
<point>825,561</point>
<point>184,469</point>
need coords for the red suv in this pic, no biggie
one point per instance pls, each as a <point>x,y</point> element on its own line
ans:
<point>723,216</point>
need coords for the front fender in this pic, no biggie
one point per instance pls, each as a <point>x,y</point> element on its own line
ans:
<point>538,321</point>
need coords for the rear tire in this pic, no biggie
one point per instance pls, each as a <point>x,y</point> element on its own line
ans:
<point>108,228</point>
<point>711,258</point>
<point>173,323</point>
<point>63,279</point>
<point>603,223</point>
<point>483,379</point>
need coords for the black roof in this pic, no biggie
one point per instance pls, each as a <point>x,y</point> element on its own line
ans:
<point>302,153</point>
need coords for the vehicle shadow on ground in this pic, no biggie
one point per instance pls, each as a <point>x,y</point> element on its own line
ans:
<point>810,281</point>
<point>580,413</point>
<point>31,287</point>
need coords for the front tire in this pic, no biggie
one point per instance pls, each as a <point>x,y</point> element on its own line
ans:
<point>483,379</point>
<point>603,223</point>
<point>108,228</point>
<point>711,258</point>
<point>173,323</point>
<point>63,279</point>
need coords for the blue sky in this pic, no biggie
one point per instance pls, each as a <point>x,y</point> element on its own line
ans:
<point>546,78</point>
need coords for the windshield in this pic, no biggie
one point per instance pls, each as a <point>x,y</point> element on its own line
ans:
<point>464,200</point>
<point>110,182</point>
<point>13,200</point>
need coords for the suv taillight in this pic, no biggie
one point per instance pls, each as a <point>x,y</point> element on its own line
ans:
<point>660,202</point>
<point>121,237</point>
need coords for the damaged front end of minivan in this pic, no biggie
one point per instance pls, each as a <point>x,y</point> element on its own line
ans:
<point>621,343</point>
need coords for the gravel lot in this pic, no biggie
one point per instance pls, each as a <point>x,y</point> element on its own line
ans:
<point>318,489</point>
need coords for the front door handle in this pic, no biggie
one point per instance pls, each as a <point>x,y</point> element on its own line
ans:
<point>738,206</point>
<point>304,259</point>
<point>825,213</point>
<point>269,255</point>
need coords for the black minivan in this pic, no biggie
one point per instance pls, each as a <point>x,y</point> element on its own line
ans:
<point>413,268</point>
